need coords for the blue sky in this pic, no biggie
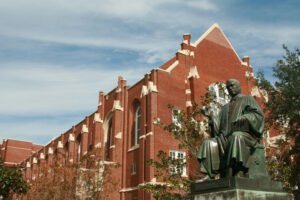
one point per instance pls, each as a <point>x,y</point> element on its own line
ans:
<point>56,55</point>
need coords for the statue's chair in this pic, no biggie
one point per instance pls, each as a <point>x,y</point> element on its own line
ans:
<point>257,162</point>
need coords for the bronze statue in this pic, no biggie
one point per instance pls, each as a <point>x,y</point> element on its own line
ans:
<point>235,135</point>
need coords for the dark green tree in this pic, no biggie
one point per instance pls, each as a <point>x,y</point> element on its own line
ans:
<point>283,114</point>
<point>189,130</point>
<point>11,181</point>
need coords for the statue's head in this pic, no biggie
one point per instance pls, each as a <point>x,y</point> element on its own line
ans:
<point>233,86</point>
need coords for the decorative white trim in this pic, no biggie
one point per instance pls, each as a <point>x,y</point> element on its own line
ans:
<point>156,121</point>
<point>97,118</point>
<point>34,160</point>
<point>60,145</point>
<point>211,29</point>
<point>152,87</point>
<point>185,42</point>
<point>84,129</point>
<point>98,145</point>
<point>134,148</point>
<point>129,189</point>
<point>186,52</point>
<point>103,162</point>
<point>187,91</point>
<point>255,92</point>
<point>244,63</point>
<point>112,146</point>
<point>149,133</point>
<point>249,74</point>
<point>42,156</point>
<point>17,148</point>
<point>144,91</point>
<point>119,135</point>
<point>71,160</point>
<point>172,66</point>
<point>118,90</point>
<point>71,138</point>
<point>188,104</point>
<point>10,163</point>
<point>3,148</point>
<point>193,72</point>
<point>50,150</point>
<point>264,94</point>
<point>117,105</point>
<point>28,165</point>
<point>142,136</point>
<point>100,104</point>
<point>106,97</point>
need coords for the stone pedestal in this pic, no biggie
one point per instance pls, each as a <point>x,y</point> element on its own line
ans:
<point>237,188</point>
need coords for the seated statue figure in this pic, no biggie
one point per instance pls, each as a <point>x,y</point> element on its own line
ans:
<point>235,135</point>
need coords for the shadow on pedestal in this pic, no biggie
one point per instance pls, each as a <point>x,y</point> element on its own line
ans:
<point>239,188</point>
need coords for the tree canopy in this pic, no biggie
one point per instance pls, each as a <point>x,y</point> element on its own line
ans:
<point>283,114</point>
<point>11,181</point>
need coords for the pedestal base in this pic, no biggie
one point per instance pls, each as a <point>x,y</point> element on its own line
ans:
<point>236,188</point>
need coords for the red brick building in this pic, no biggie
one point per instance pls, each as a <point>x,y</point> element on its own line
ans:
<point>14,152</point>
<point>124,124</point>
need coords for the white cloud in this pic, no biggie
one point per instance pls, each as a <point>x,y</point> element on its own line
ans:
<point>203,5</point>
<point>32,89</point>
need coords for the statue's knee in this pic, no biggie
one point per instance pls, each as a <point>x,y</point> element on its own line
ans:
<point>236,134</point>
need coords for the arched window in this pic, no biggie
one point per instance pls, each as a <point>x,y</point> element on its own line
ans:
<point>66,149</point>
<point>78,148</point>
<point>110,132</point>
<point>219,96</point>
<point>137,126</point>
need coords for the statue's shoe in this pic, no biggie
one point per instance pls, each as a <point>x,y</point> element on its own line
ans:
<point>205,178</point>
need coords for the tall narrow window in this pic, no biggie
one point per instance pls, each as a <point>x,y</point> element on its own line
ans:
<point>180,168</point>
<point>137,125</point>
<point>133,168</point>
<point>175,120</point>
<point>79,151</point>
<point>110,131</point>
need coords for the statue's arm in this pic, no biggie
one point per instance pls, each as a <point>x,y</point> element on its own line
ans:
<point>252,116</point>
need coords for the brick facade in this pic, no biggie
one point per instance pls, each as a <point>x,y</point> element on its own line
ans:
<point>112,127</point>
<point>14,152</point>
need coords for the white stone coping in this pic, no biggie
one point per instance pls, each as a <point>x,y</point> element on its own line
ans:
<point>42,156</point>
<point>193,72</point>
<point>50,150</point>
<point>98,145</point>
<point>84,129</point>
<point>34,160</point>
<point>97,118</point>
<point>60,145</point>
<point>152,87</point>
<point>117,105</point>
<point>144,91</point>
<point>119,135</point>
<point>71,138</point>
<point>188,104</point>
<point>134,148</point>
<point>129,189</point>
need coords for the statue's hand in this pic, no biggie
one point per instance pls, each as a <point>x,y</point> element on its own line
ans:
<point>205,111</point>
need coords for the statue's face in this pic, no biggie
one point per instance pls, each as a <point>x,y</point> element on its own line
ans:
<point>233,88</point>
